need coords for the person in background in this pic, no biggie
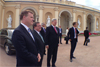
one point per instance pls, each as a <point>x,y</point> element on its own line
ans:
<point>73,38</point>
<point>60,34</point>
<point>86,35</point>
<point>52,42</point>
<point>26,51</point>
<point>67,38</point>
<point>39,40</point>
<point>43,33</point>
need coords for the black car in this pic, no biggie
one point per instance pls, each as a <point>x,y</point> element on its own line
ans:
<point>5,40</point>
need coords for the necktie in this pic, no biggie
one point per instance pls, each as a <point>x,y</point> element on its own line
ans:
<point>41,37</point>
<point>55,29</point>
<point>44,29</point>
<point>31,34</point>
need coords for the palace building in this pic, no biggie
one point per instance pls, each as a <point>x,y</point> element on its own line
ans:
<point>66,12</point>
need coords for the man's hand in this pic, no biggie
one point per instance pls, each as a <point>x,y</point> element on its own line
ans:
<point>70,40</point>
<point>39,57</point>
<point>47,46</point>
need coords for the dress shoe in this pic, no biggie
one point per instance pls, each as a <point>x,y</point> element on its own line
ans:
<point>71,60</point>
<point>74,57</point>
<point>53,66</point>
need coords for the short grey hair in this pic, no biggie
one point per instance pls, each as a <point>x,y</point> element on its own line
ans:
<point>54,19</point>
<point>42,24</point>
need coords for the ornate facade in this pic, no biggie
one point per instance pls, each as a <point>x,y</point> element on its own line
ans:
<point>66,12</point>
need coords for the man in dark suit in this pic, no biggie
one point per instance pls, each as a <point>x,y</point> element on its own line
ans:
<point>43,33</point>
<point>52,41</point>
<point>39,39</point>
<point>26,51</point>
<point>60,34</point>
<point>86,34</point>
<point>73,37</point>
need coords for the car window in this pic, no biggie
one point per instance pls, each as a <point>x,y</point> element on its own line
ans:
<point>4,32</point>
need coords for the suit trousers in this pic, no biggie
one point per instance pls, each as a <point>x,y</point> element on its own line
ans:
<point>73,46</point>
<point>85,43</point>
<point>52,53</point>
<point>60,36</point>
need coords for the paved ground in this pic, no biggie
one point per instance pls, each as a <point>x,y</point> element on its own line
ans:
<point>86,56</point>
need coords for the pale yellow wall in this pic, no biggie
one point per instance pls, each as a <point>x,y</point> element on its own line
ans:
<point>47,12</point>
<point>29,5</point>
<point>9,11</point>
<point>0,16</point>
<point>81,19</point>
<point>48,9</point>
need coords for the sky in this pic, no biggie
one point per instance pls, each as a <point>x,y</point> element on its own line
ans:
<point>90,3</point>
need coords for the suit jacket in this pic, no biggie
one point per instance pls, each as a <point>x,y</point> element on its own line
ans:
<point>26,51</point>
<point>71,33</point>
<point>86,33</point>
<point>61,32</point>
<point>52,38</point>
<point>43,33</point>
<point>39,42</point>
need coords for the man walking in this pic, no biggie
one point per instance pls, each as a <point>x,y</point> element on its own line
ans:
<point>52,41</point>
<point>24,42</point>
<point>73,38</point>
<point>86,35</point>
<point>60,34</point>
<point>38,40</point>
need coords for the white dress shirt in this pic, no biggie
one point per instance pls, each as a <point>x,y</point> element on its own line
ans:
<point>55,27</point>
<point>27,28</point>
<point>74,33</point>
<point>40,35</point>
<point>67,31</point>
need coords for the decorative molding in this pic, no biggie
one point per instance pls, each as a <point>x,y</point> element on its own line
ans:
<point>10,5</point>
<point>56,9</point>
<point>79,11</point>
<point>84,12</point>
<point>41,7</point>
<point>4,7</point>
<point>66,11</point>
<point>17,6</point>
<point>1,3</point>
<point>74,10</point>
<point>48,7</point>
<point>30,8</point>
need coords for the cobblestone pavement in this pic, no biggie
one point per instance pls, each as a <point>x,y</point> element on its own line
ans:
<point>86,56</point>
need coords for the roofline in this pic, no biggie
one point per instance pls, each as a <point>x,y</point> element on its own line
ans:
<point>53,3</point>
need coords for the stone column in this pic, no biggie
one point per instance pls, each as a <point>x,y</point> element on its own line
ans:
<point>99,24</point>
<point>56,1</point>
<point>41,14</point>
<point>41,0</point>
<point>94,24</point>
<point>56,15</point>
<point>59,21</point>
<point>70,22</point>
<point>3,11</point>
<point>84,21</point>
<point>0,15</point>
<point>17,20</point>
<point>74,15</point>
